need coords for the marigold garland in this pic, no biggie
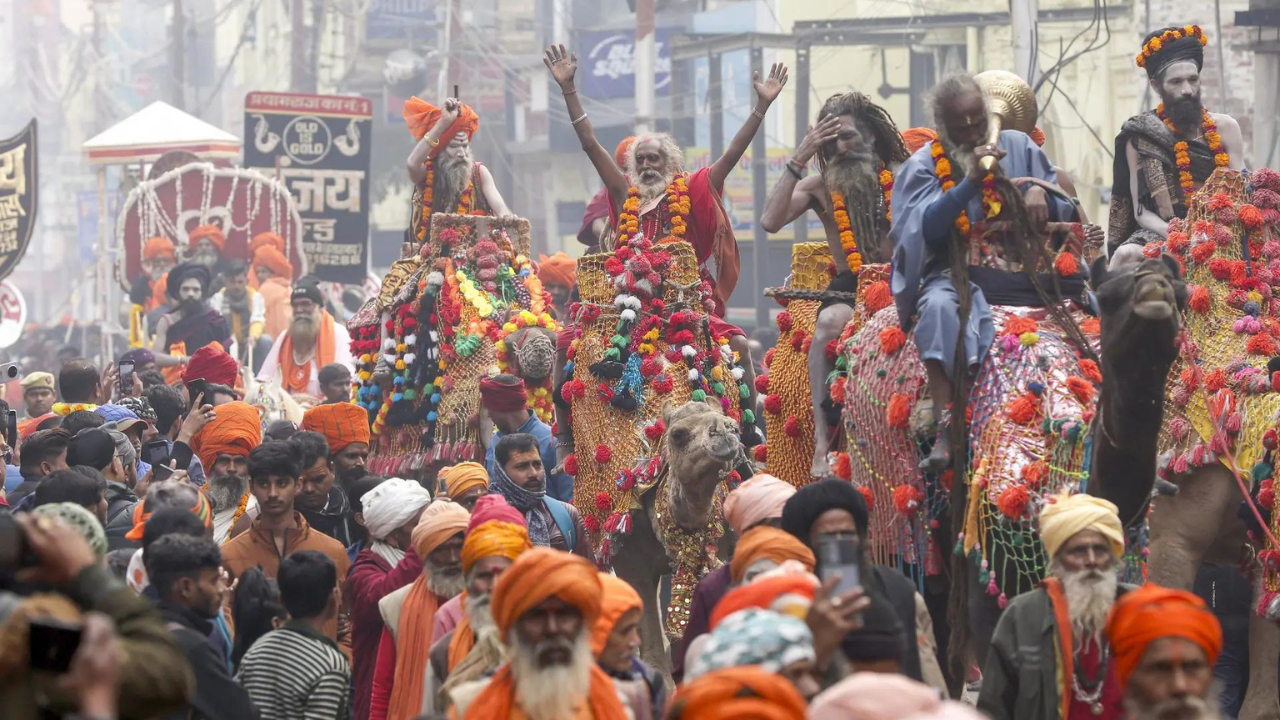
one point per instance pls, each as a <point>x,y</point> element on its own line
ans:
<point>1155,44</point>
<point>991,200</point>
<point>1182,156</point>
<point>844,226</point>
<point>428,197</point>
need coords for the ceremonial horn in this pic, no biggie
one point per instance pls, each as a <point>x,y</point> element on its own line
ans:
<point>1011,104</point>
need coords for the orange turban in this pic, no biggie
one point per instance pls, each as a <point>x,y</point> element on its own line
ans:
<point>421,116</point>
<point>202,509</point>
<point>616,600</point>
<point>158,247</point>
<point>266,239</point>
<point>494,538</point>
<point>765,542</point>
<point>624,147</point>
<point>918,137</point>
<point>738,693</point>
<point>542,573</point>
<point>211,232</point>
<point>559,269</point>
<point>462,477</point>
<point>269,257</point>
<point>762,593</point>
<point>340,423</point>
<point>236,430</point>
<point>1151,612</point>
<point>1037,136</point>
<point>438,524</point>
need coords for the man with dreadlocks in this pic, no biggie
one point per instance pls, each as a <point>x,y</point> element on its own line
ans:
<point>855,141</point>
<point>937,196</point>
<point>444,175</point>
<point>1164,155</point>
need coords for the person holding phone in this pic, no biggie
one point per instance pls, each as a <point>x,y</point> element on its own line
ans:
<point>834,511</point>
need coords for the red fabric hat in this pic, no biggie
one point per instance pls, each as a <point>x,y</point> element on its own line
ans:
<point>500,397</point>
<point>494,507</point>
<point>212,365</point>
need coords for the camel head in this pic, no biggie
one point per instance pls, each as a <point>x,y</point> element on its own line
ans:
<point>702,447</point>
<point>1141,305</point>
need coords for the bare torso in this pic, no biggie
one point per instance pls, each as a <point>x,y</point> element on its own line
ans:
<point>820,202</point>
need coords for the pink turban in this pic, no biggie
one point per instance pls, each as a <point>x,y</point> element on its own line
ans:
<point>494,507</point>
<point>758,499</point>
<point>874,696</point>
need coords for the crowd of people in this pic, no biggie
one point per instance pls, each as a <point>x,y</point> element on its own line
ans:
<point>165,553</point>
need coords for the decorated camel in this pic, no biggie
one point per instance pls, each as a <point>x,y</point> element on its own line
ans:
<point>1221,407</point>
<point>656,408</point>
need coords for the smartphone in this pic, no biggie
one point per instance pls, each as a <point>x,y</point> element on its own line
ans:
<point>126,377</point>
<point>53,644</point>
<point>156,452</point>
<point>195,389</point>
<point>838,555</point>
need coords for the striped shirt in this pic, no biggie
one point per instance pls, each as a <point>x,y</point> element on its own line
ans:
<point>297,673</point>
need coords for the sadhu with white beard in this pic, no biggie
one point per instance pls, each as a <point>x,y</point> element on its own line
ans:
<point>545,606</point>
<point>445,176</point>
<point>314,339</point>
<point>937,198</point>
<point>1050,656</point>
<point>857,145</point>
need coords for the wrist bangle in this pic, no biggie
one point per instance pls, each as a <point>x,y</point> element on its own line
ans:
<point>432,143</point>
<point>796,169</point>
<point>575,122</point>
<point>570,92</point>
<point>757,113</point>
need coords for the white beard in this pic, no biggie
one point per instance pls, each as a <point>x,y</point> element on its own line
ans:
<point>1090,595</point>
<point>445,583</point>
<point>554,692</point>
<point>1191,707</point>
<point>479,610</point>
<point>652,188</point>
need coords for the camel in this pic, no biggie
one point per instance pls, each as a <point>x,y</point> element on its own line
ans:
<point>701,449</point>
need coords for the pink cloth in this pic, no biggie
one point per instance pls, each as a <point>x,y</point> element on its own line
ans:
<point>759,498</point>
<point>447,617</point>
<point>874,696</point>
<point>494,507</point>
<point>370,579</point>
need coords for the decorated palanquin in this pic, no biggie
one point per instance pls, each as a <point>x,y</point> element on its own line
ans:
<point>1029,413</point>
<point>1221,403</point>
<point>788,404</point>
<point>439,324</point>
<point>643,346</point>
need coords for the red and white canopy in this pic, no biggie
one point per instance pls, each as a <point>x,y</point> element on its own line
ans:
<point>155,130</point>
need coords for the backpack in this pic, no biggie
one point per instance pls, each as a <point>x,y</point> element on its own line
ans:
<point>560,514</point>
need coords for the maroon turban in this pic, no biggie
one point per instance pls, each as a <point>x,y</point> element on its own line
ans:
<point>501,397</point>
<point>211,365</point>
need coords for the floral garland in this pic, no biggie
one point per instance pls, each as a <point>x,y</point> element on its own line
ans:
<point>1154,45</point>
<point>65,409</point>
<point>991,200</point>
<point>840,213</point>
<point>244,505</point>
<point>886,189</point>
<point>679,205</point>
<point>428,197</point>
<point>1182,156</point>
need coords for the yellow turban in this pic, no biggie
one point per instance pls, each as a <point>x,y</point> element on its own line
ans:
<point>493,539</point>
<point>440,522</point>
<point>462,477</point>
<point>1067,515</point>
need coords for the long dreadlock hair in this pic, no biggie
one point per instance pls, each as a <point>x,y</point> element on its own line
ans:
<point>888,141</point>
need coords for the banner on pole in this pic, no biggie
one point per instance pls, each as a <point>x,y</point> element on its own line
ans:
<point>19,194</point>
<point>319,147</point>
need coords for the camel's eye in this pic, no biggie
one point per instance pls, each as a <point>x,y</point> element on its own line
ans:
<point>680,437</point>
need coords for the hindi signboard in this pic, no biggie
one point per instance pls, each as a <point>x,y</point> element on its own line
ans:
<point>609,63</point>
<point>319,147</point>
<point>19,191</point>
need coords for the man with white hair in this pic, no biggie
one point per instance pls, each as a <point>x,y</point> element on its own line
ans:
<point>1050,656</point>
<point>390,512</point>
<point>941,192</point>
<point>669,202</point>
<point>544,607</point>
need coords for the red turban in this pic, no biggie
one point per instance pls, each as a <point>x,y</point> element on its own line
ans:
<point>421,116</point>
<point>500,397</point>
<point>624,147</point>
<point>211,365</point>
<point>236,430</point>
<point>340,423</point>
<point>761,593</point>
<point>158,247</point>
<point>737,693</point>
<point>916,138</point>
<point>494,507</point>
<point>1037,136</point>
<point>617,599</point>
<point>212,232</point>
<point>543,573</point>
<point>765,542</point>
<point>1151,612</point>
<point>269,257</point>
<point>559,269</point>
<point>266,239</point>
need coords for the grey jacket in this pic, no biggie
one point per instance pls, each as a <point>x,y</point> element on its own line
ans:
<point>1020,677</point>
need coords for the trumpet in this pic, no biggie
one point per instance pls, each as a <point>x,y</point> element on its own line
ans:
<point>988,163</point>
<point>1011,104</point>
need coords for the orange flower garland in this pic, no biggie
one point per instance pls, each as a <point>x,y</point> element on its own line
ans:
<point>428,197</point>
<point>991,200</point>
<point>1154,45</point>
<point>1182,157</point>
<point>679,205</point>
<point>886,187</point>
<point>848,243</point>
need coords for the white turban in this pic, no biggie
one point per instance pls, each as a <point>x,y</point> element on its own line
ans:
<point>392,504</point>
<point>1066,515</point>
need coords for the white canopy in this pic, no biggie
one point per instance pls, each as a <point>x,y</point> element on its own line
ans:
<point>155,130</point>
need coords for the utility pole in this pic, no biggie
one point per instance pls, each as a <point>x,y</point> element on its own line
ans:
<point>449,69</point>
<point>646,63</point>
<point>302,77</point>
<point>178,57</point>
<point>1023,19</point>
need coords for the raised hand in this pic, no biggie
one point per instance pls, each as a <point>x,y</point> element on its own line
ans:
<point>818,135</point>
<point>772,85</point>
<point>562,64</point>
<point>450,112</point>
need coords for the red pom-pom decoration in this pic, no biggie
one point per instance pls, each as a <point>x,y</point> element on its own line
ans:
<point>603,501</point>
<point>662,384</point>
<point>772,404</point>
<point>762,383</point>
<point>891,340</point>
<point>877,297</point>
<point>1066,264</point>
<point>1024,409</point>
<point>907,499</point>
<point>1081,388</point>
<point>1090,370</point>
<point>869,496</point>
<point>784,321</point>
<point>1013,501</point>
<point>654,430</point>
<point>898,412</point>
<point>603,454</point>
<point>571,465</point>
<point>1202,251</point>
<point>760,453</point>
<point>791,427</point>
<point>591,523</point>
<point>843,467</point>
